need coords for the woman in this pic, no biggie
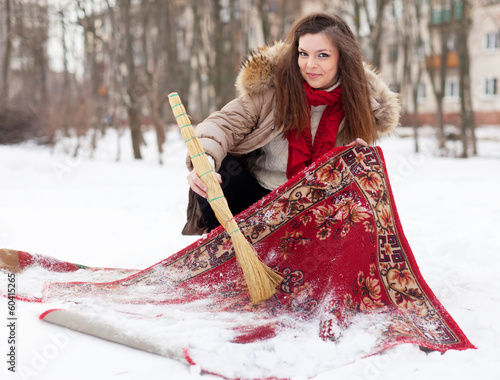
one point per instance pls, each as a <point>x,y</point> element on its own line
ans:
<point>298,100</point>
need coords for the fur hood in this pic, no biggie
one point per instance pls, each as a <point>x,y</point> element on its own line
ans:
<point>257,76</point>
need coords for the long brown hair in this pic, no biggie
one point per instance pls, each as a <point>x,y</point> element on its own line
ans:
<point>292,110</point>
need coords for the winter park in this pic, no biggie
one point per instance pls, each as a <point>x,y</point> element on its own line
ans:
<point>385,247</point>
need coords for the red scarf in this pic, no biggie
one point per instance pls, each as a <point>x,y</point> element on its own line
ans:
<point>301,150</point>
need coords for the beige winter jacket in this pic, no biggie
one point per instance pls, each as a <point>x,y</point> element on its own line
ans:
<point>247,123</point>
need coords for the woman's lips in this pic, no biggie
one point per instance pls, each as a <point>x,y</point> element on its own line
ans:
<point>313,76</point>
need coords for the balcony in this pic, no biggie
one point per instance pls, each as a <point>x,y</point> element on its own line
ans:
<point>434,61</point>
<point>446,15</point>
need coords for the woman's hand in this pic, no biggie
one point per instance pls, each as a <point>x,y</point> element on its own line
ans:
<point>197,185</point>
<point>357,142</point>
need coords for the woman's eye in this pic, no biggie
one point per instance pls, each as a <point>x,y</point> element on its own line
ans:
<point>324,55</point>
<point>302,54</point>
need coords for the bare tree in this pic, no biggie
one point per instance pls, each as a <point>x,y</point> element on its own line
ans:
<point>416,72</point>
<point>449,26</point>
<point>263,9</point>
<point>92,92</point>
<point>66,91</point>
<point>154,15</point>
<point>133,106</point>
<point>39,48</point>
<point>372,14</point>
<point>375,22</point>
<point>7,55</point>
<point>440,32</point>
<point>31,21</point>
<point>467,122</point>
<point>199,66</point>
<point>218,73</point>
<point>177,47</point>
<point>408,31</point>
<point>225,55</point>
<point>115,55</point>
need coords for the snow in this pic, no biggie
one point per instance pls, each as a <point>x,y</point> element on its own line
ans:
<point>96,211</point>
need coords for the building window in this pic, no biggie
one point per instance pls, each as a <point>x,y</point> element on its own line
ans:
<point>452,89</point>
<point>492,40</point>
<point>491,87</point>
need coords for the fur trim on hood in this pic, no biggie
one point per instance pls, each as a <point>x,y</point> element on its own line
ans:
<point>257,70</point>
<point>257,75</point>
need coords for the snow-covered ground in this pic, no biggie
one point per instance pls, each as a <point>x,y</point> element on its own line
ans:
<point>129,214</point>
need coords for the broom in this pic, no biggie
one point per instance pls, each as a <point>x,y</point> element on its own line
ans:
<point>260,279</point>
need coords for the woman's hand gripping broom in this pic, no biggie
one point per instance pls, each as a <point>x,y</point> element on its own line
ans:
<point>261,280</point>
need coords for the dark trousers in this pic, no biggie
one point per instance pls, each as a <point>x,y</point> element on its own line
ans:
<point>240,188</point>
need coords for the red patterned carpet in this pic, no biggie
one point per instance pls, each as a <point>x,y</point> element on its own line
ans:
<point>333,232</point>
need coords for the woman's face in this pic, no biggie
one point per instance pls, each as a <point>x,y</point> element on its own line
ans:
<point>318,60</point>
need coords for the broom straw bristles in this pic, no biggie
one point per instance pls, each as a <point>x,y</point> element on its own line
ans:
<point>260,279</point>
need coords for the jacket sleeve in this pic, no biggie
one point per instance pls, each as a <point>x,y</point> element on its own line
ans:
<point>226,128</point>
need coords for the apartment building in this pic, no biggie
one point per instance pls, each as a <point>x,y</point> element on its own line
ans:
<point>484,52</point>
